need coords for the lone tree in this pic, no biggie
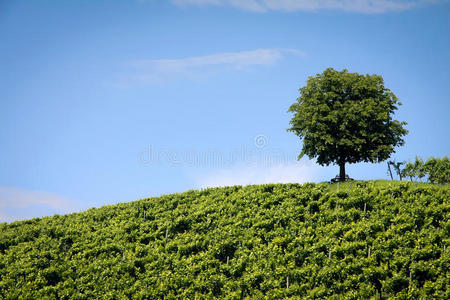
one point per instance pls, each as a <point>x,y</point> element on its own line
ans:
<point>346,117</point>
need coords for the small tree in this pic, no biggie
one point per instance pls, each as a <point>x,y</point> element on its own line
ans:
<point>409,171</point>
<point>415,169</point>
<point>389,170</point>
<point>398,168</point>
<point>419,168</point>
<point>438,170</point>
<point>346,117</point>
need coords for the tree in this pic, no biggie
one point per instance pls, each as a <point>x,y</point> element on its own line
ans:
<point>415,169</point>
<point>419,168</point>
<point>398,168</point>
<point>438,170</point>
<point>389,170</point>
<point>410,171</point>
<point>346,117</point>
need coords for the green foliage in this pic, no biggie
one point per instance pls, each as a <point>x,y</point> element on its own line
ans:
<point>264,241</point>
<point>438,170</point>
<point>397,167</point>
<point>415,169</point>
<point>346,117</point>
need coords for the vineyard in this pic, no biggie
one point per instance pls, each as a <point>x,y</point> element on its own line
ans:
<point>274,241</point>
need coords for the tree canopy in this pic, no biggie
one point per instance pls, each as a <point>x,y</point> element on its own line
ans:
<point>346,117</point>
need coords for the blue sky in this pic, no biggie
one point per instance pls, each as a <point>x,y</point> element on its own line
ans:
<point>111,101</point>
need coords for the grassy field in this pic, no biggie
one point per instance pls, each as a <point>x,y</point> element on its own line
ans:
<point>379,183</point>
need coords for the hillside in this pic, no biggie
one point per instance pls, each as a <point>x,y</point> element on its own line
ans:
<point>278,241</point>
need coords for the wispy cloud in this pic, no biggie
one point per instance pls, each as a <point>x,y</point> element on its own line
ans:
<point>157,70</point>
<point>300,172</point>
<point>19,204</point>
<point>357,6</point>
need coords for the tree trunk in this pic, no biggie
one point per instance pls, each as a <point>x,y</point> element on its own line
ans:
<point>342,171</point>
<point>390,171</point>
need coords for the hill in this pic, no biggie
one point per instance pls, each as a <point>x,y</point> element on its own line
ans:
<point>273,241</point>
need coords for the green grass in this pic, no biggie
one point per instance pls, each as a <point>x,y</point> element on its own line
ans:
<point>379,183</point>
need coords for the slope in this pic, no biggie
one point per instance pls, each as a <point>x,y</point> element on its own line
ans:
<point>273,241</point>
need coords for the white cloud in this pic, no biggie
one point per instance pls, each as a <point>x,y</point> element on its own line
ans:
<point>157,70</point>
<point>300,172</point>
<point>358,6</point>
<point>234,59</point>
<point>19,204</point>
